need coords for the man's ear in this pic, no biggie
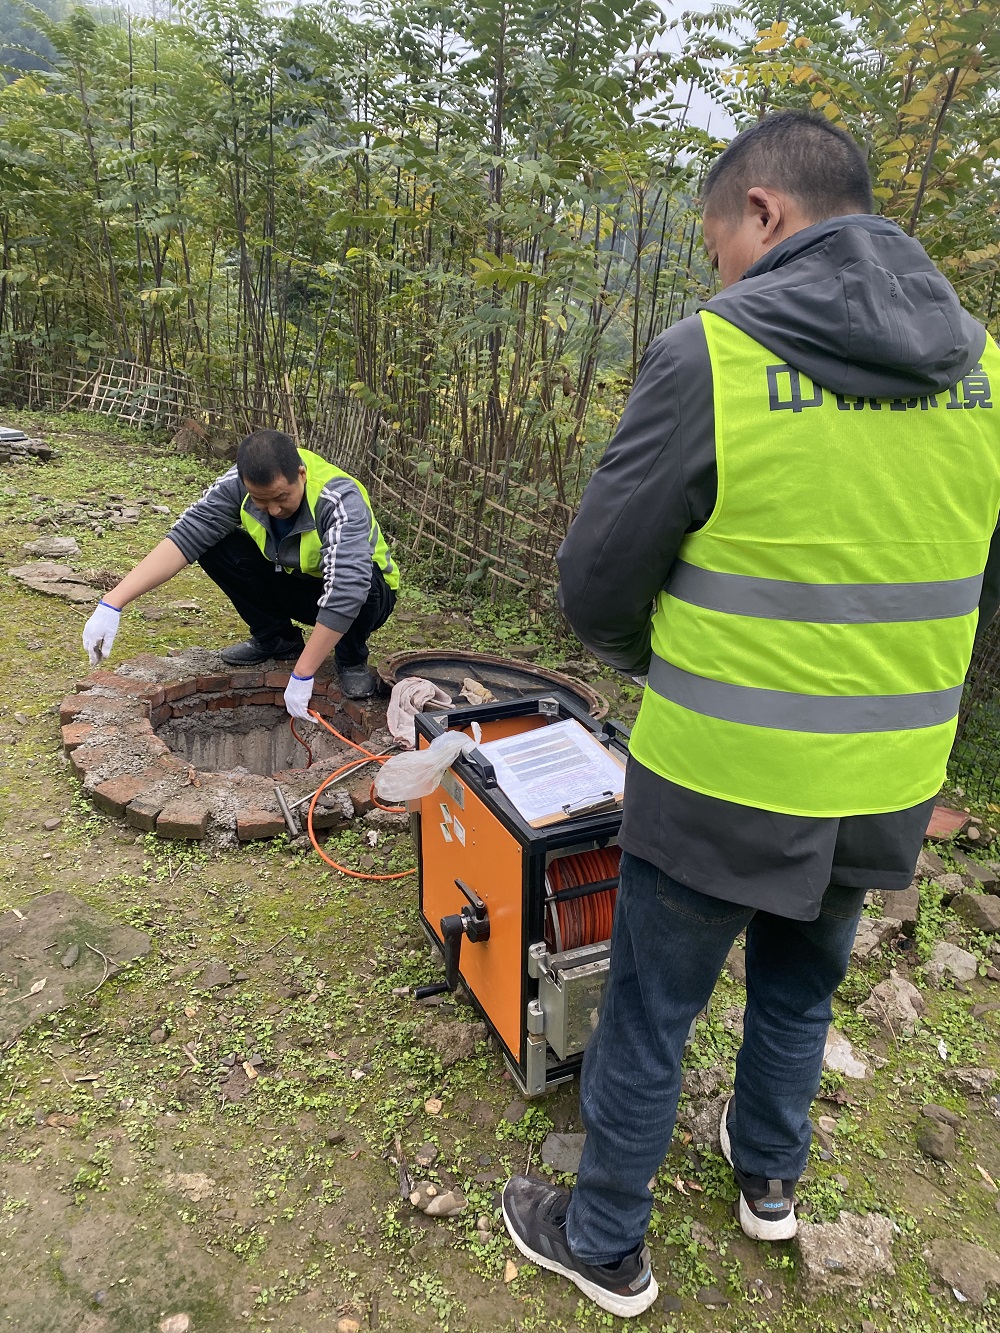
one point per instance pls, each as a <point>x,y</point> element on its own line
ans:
<point>768,208</point>
<point>302,473</point>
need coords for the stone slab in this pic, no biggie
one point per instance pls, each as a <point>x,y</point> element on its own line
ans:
<point>904,905</point>
<point>979,910</point>
<point>972,870</point>
<point>26,957</point>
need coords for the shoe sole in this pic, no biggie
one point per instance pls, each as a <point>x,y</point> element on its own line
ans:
<point>626,1307</point>
<point>753,1226</point>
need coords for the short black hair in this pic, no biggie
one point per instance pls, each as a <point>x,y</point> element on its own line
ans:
<point>265,455</point>
<point>800,153</point>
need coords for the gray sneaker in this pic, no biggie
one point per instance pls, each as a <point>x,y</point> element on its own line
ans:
<point>535,1217</point>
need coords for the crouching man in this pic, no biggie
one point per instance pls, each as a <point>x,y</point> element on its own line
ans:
<point>287,537</point>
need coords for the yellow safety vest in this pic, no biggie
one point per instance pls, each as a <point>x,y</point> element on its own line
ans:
<point>812,640</point>
<point>318,473</point>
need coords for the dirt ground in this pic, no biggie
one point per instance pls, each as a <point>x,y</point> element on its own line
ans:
<point>147,1174</point>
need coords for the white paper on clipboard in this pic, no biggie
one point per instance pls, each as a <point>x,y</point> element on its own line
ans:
<point>562,764</point>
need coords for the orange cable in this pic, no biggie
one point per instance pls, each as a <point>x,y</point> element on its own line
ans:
<point>344,870</point>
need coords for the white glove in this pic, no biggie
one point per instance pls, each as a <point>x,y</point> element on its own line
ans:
<point>298,692</point>
<point>99,632</point>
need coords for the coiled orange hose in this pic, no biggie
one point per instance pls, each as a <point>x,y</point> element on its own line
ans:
<point>378,759</point>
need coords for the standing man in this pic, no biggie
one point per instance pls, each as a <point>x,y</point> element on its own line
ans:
<point>286,536</point>
<point>788,535</point>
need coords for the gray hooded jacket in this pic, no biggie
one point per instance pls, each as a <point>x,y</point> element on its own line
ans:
<point>342,519</point>
<point>858,307</point>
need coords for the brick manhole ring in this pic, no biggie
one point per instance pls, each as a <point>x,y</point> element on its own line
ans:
<point>186,747</point>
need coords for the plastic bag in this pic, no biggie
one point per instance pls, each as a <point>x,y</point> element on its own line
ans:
<point>404,777</point>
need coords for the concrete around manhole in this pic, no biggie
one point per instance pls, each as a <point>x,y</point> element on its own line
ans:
<point>189,748</point>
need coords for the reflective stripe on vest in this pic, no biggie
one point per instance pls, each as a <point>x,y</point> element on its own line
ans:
<point>811,641</point>
<point>319,473</point>
<point>834,714</point>
<point>824,603</point>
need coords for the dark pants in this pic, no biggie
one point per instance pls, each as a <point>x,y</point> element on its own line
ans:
<point>269,600</point>
<point>668,946</point>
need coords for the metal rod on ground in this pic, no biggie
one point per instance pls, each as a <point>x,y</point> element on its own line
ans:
<point>288,808</point>
<point>291,823</point>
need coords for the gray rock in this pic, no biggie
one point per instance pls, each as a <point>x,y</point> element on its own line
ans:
<point>389,821</point>
<point>937,1141</point>
<point>904,905</point>
<point>71,957</point>
<point>514,1112</point>
<point>872,933</point>
<point>562,1152</point>
<point>426,1155</point>
<point>974,872</point>
<point>949,961</point>
<point>951,884</point>
<point>712,1297</point>
<point>978,910</point>
<point>732,1019</point>
<point>895,1003</point>
<point>929,865</point>
<point>423,1193</point>
<point>704,1082</point>
<point>51,825</point>
<point>52,548</point>
<point>942,1115</point>
<point>839,1055</point>
<point>214,975</point>
<point>454,1040</point>
<point>966,1268</point>
<point>736,962</point>
<point>450,1204</point>
<point>55,580</point>
<point>972,1078</point>
<point>846,1254</point>
<point>701,1118</point>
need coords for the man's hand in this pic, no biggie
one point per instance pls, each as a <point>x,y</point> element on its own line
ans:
<point>99,632</point>
<point>298,692</point>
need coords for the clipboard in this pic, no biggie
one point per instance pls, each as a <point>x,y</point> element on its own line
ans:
<point>556,773</point>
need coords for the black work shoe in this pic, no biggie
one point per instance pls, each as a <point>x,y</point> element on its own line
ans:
<point>358,682</point>
<point>535,1215</point>
<point>767,1207</point>
<point>262,650</point>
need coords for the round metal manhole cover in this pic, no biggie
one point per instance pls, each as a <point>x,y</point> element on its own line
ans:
<point>504,678</point>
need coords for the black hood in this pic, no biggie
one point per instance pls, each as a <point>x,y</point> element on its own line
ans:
<point>856,304</point>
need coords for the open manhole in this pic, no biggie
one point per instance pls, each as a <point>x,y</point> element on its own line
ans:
<point>189,748</point>
<point>186,747</point>
<point>255,738</point>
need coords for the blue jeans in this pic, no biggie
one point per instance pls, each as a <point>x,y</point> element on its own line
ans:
<point>668,946</point>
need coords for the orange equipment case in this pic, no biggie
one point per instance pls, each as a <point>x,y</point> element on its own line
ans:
<point>522,915</point>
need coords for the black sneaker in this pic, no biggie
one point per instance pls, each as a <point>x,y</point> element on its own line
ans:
<point>767,1207</point>
<point>256,650</point>
<point>535,1215</point>
<point>358,682</point>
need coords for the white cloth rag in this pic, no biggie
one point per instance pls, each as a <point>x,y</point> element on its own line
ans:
<point>410,696</point>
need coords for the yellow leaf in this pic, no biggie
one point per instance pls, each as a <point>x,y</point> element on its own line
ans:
<point>802,43</point>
